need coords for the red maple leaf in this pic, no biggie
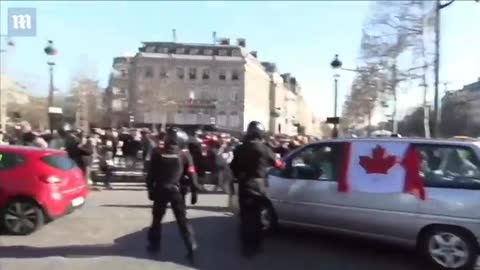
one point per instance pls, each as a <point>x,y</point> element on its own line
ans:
<point>380,162</point>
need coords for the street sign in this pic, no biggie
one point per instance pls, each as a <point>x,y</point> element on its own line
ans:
<point>333,120</point>
<point>55,110</point>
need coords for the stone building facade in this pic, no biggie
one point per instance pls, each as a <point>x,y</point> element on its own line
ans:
<point>284,92</point>
<point>117,93</point>
<point>202,84</point>
<point>198,84</point>
<point>11,94</point>
<point>467,102</point>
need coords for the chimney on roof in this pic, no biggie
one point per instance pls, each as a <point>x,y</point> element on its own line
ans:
<point>269,66</point>
<point>293,85</point>
<point>293,82</point>
<point>174,35</point>
<point>214,37</point>
<point>241,42</point>
<point>254,54</point>
<point>286,77</point>
<point>225,41</point>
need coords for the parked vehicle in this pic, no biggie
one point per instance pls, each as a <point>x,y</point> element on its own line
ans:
<point>37,185</point>
<point>425,193</point>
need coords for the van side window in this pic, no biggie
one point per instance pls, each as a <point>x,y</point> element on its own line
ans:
<point>449,166</point>
<point>316,162</point>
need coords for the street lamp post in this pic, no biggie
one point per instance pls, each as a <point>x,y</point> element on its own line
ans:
<point>335,64</point>
<point>50,51</point>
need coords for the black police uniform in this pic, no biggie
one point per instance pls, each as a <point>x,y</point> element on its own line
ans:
<point>250,162</point>
<point>168,166</point>
<point>189,179</point>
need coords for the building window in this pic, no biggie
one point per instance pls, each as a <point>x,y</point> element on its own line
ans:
<point>223,52</point>
<point>222,75</point>
<point>235,75</point>
<point>236,53</point>
<point>180,50</point>
<point>194,51</point>
<point>124,73</point>
<point>148,72</point>
<point>208,52</point>
<point>206,74</point>
<point>222,119</point>
<point>180,73</point>
<point>234,120</point>
<point>163,73</point>
<point>150,49</point>
<point>115,90</point>
<point>162,50</point>
<point>234,97</point>
<point>192,73</point>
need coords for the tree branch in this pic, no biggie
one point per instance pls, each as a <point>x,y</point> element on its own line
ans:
<point>446,4</point>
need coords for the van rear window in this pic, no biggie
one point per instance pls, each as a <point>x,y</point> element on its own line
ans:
<point>61,162</point>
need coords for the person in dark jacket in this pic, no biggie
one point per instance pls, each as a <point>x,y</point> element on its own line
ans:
<point>168,166</point>
<point>199,159</point>
<point>106,162</point>
<point>147,146</point>
<point>249,166</point>
<point>74,149</point>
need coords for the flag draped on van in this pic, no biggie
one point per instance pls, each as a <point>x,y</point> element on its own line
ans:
<point>381,167</point>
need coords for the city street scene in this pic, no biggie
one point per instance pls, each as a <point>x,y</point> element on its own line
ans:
<point>213,135</point>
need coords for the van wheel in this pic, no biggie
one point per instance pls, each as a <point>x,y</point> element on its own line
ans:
<point>269,219</point>
<point>22,217</point>
<point>449,248</point>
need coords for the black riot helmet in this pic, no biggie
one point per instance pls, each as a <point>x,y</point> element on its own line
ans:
<point>175,136</point>
<point>255,131</point>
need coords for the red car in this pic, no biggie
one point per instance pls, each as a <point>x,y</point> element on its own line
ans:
<point>37,185</point>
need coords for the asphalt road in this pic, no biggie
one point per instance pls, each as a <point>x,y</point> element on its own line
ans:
<point>109,232</point>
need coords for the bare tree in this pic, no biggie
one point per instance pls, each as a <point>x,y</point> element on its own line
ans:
<point>30,112</point>
<point>398,29</point>
<point>85,102</point>
<point>366,93</point>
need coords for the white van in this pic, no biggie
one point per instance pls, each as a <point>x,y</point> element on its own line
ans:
<point>425,193</point>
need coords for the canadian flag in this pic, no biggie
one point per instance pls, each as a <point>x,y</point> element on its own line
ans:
<point>385,167</point>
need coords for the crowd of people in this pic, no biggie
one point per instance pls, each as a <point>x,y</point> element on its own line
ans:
<point>131,148</point>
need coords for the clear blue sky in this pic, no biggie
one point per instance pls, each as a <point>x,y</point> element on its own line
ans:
<point>301,37</point>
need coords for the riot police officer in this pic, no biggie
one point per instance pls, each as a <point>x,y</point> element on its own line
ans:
<point>168,166</point>
<point>250,162</point>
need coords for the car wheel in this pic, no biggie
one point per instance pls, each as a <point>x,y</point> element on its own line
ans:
<point>22,217</point>
<point>268,219</point>
<point>449,248</point>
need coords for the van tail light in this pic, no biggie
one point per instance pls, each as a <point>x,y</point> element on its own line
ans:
<point>50,179</point>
